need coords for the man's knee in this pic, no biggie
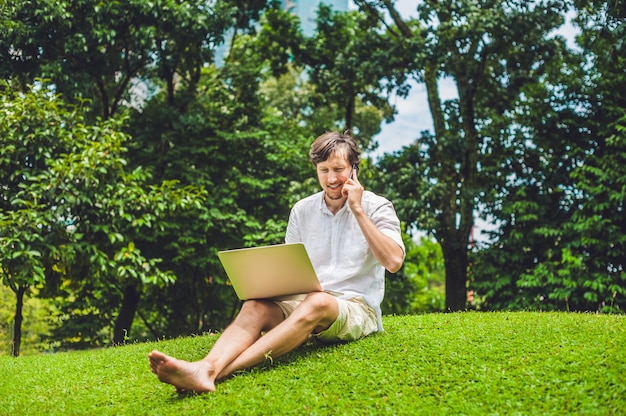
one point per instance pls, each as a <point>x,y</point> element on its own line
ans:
<point>260,310</point>
<point>257,307</point>
<point>321,306</point>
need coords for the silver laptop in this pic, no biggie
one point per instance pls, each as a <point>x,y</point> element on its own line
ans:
<point>276,271</point>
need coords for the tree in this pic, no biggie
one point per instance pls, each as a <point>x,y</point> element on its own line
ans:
<point>121,55</point>
<point>583,269</point>
<point>561,230</point>
<point>36,324</point>
<point>69,207</point>
<point>236,144</point>
<point>601,178</point>
<point>491,50</point>
<point>109,51</point>
<point>342,65</point>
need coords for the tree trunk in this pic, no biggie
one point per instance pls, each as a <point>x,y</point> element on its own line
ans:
<point>17,329</point>
<point>455,261</point>
<point>124,320</point>
<point>457,171</point>
<point>350,112</point>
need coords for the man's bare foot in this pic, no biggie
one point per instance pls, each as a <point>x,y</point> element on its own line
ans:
<point>184,375</point>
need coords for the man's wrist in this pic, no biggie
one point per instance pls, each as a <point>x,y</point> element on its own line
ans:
<point>358,210</point>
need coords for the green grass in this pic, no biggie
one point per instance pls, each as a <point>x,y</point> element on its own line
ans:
<point>438,364</point>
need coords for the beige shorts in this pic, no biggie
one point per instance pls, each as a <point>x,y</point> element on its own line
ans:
<point>356,319</point>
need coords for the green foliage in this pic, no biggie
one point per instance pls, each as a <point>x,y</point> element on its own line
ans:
<point>107,51</point>
<point>532,141</point>
<point>70,209</point>
<point>419,286</point>
<point>560,241</point>
<point>340,64</point>
<point>251,158</point>
<point>588,272</point>
<point>247,156</point>
<point>344,88</point>
<point>453,363</point>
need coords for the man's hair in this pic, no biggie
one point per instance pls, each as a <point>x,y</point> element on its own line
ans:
<point>332,142</point>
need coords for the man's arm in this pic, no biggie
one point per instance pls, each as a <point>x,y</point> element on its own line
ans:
<point>388,253</point>
<point>385,249</point>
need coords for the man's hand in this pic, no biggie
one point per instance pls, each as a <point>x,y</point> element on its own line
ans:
<point>388,253</point>
<point>353,190</point>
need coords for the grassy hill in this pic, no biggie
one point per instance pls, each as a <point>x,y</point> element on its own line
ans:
<point>438,364</point>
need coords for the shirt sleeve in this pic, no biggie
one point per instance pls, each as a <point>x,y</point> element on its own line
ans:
<point>293,233</point>
<point>386,220</point>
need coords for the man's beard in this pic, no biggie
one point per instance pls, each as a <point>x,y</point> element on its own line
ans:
<point>334,198</point>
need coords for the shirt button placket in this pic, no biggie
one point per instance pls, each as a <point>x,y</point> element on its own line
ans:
<point>333,241</point>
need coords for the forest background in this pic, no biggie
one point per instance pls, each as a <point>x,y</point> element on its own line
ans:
<point>131,152</point>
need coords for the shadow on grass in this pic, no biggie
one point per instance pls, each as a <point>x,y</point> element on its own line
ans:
<point>310,350</point>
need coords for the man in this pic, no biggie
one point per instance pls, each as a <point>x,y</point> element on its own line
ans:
<point>351,236</point>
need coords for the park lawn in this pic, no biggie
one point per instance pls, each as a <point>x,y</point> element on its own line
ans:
<point>505,363</point>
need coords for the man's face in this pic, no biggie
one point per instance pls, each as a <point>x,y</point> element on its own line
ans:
<point>332,174</point>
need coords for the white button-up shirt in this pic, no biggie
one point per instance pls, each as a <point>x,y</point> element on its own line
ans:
<point>338,250</point>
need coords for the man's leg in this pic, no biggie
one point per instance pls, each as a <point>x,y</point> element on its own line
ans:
<point>200,376</point>
<point>316,313</point>
<point>239,347</point>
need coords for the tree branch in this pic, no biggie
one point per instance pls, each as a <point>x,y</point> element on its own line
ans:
<point>402,26</point>
<point>374,12</point>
